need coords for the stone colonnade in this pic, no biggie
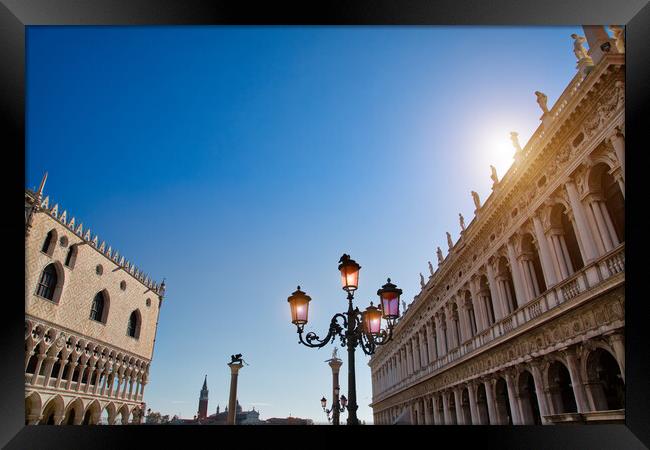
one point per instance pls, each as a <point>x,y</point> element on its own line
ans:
<point>76,367</point>
<point>581,378</point>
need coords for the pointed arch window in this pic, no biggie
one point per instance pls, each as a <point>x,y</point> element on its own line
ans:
<point>49,243</point>
<point>71,257</point>
<point>47,282</point>
<point>98,307</point>
<point>133,327</point>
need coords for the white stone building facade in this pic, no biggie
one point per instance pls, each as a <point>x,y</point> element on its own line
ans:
<point>90,323</point>
<point>523,321</point>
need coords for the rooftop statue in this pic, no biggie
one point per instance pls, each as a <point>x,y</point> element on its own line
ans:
<point>541,101</point>
<point>421,280</point>
<point>461,219</point>
<point>578,47</point>
<point>440,257</point>
<point>619,35</point>
<point>514,137</point>
<point>450,243</point>
<point>477,201</point>
<point>430,268</point>
<point>495,179</point>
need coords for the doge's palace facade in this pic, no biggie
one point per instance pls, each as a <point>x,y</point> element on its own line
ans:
<point>523,321</point>
<point>90,323</point>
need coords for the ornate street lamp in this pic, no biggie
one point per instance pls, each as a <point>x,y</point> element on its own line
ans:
<point>389,296</point>
<point>337,407</point>
<point>299,304</point>
<point>356,328</point>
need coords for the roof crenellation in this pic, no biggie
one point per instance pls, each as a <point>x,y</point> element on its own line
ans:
<point>103,248</point>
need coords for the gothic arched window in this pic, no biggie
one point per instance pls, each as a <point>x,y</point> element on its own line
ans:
<point>97,308</point>
<point>47,282</point>
<point>49,243</point>
<point>71,257</point>
<point>133,327</point>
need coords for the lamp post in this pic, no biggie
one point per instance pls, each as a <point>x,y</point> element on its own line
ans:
<point>337,408</point>
<point>356,328</point>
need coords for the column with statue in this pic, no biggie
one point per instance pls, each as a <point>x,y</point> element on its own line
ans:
<point>236,363</point>
<point>335,363</point>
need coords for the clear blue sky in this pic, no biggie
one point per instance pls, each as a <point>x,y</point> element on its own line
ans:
<point>239,162</point>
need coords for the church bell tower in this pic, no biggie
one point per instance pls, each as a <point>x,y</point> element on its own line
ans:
<point>203,400</point>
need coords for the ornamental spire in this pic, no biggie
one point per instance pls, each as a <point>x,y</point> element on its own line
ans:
<point>39,193</point>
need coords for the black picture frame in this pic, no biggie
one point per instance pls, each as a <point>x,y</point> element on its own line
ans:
<point>15,15</point>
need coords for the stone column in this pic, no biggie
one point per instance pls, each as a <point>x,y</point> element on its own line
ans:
<point>513,398</point>
<point>594,202</point>
<point>422,349</point>
<point>517,278</point>
<point>494,292</point>
<point>616,340</point>
<point>143,384</point>
<point>445,409</point>
<point>428,418</point>
<point>400,370</point>
<point>479,310</point>
<point>437,420</point>
<point>73,365</point>
<point>532,277</point>
<point>440,325</point>
<point>436,330</point>
<point>548,269</point>
<point>491,403</point>
<point>107,375</point>
<point>407,356</point>
<point>460,420</point>
<point>505,294</point>
<point>84,365</point>
<point>430,342</point>
<point>126,384</point>
<point>583,231</point>
<point>540,390</point>
<point>131,380</point>
<point>39,362</point>
<point>64,363</point>
<point>451,327</point>
<point>618,142</point>
<point>49,363</point>
<point>115,391</point>
<point>576,381</point>
<point>609,223</point>
<point>335,363</point>
<point>232,402</point>
<point>28,356</point>
<point>526,281</point>
<point>465,332</point>
<point>91,371</point>
<point>416,352</point>
<point>473,407</point>
<point>562,259</point>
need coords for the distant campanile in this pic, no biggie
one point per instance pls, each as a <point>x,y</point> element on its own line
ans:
<point>203,400</point>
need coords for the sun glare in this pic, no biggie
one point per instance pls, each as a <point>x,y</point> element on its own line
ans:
<point>500,152</point>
